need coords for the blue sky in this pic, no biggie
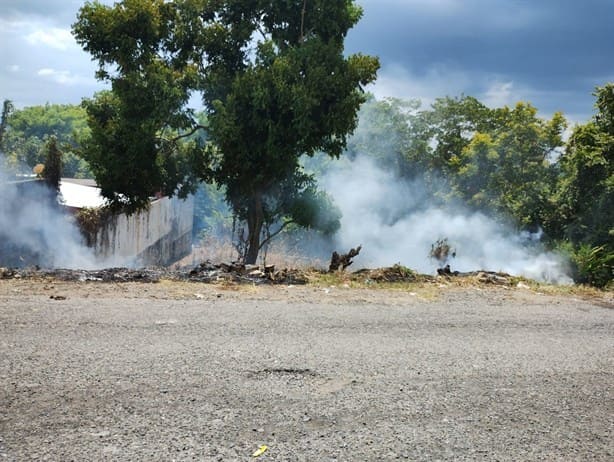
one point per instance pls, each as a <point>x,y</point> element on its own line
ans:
<point>549,52</point>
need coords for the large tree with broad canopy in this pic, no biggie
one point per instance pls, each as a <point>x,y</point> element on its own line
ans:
<point>274,80</point>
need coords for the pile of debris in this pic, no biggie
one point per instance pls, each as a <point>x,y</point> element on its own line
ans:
<point>396,273</point>
<point>205,272</point>
<point>70,275</point>
<point>240,272</point>
<point>483,277</point>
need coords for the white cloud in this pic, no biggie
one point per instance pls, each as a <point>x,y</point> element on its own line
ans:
<point>43,63</point>
<point>46,71</point>
<point>500,94</point>
<point>59,39</point>
<point>63,77</point>
<point>439,81</point>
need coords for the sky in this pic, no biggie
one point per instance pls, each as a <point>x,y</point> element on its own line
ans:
<point>552,53</point>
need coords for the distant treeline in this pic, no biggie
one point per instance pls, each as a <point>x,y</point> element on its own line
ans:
<point>27,131</point>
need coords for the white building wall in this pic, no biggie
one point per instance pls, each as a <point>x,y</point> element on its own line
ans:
<point>158,236</point>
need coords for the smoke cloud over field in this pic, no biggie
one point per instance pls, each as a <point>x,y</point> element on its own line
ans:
<point>396,223</point>
<point>34,230</point>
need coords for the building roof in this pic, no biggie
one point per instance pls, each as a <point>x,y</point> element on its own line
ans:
<point>82,181</point>
<point>79,194</point>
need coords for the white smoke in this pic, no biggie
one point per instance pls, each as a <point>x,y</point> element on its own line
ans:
<point>396,223</point>
<point>34,230</point>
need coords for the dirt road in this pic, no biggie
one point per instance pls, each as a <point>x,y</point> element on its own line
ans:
<point>176,371</point>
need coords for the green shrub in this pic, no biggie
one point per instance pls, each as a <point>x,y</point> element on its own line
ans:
<point>594,265</point>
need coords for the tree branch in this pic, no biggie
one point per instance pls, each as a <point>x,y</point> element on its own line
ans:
<point>262,32</point>
<point>184,135</point>
<point>190,133</point>
<point>302,36</point>
<point>271,236</point>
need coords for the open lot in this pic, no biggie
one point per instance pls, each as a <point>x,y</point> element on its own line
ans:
<point>190,371</point>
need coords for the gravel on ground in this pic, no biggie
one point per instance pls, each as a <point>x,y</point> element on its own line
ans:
<point>93,371</point>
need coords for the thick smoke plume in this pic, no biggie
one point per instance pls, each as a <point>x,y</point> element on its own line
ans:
<point>396,223</point>
<point>34,230</point>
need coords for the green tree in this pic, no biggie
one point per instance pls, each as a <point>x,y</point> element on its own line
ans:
<point>53,164</point>
<point>134,149</point>
<point>585,196</point>
<point>439,134</point>
<point>475,168</point>
<point>500,160</point>
<point>297,94</point>
<point>384,134</point>
<point>275,83</point>
<point>7,109</point>
<point>503,162</point>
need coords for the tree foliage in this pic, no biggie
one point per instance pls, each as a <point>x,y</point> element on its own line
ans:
<point>134,148</point>
<point>28,130</point>
<point>585,196</point>
<point>293,94</point>
<point>274,80</point>
<point>386,132</point>
<point>508,168</point>
<point>509,163</point>
<point>7,109</point>
<point>52,172</point>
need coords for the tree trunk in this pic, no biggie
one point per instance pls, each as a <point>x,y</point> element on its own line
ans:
<point>255,220</point>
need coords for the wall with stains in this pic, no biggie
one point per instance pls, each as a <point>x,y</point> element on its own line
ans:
<point>155,237</point>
